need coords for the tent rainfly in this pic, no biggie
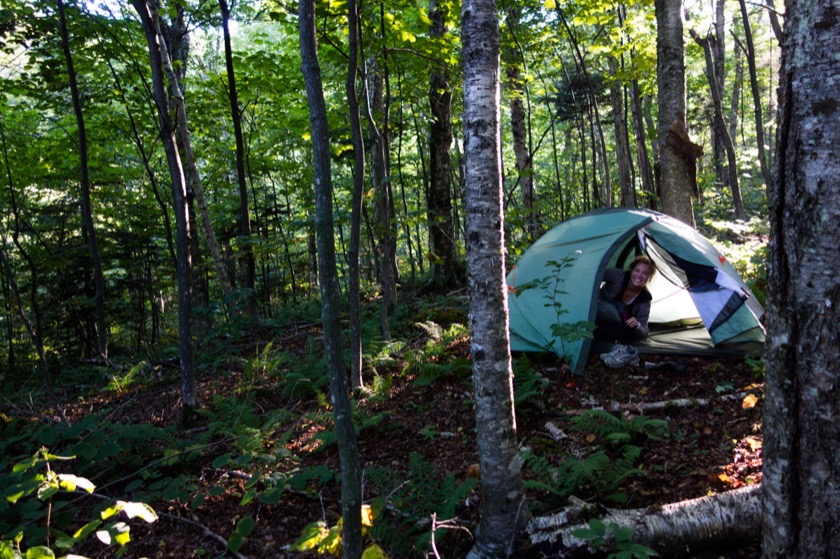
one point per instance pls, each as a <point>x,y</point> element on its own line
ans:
<point>700,303</point>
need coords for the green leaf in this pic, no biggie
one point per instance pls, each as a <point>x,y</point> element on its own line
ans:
<point>39,552</point>
<point>116,533</point>
<point>87,529</point>
<point>243,528</point>
<point>271,496</point>
<point>311,536</point>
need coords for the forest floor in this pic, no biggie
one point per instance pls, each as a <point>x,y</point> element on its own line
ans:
<point>712,444</point>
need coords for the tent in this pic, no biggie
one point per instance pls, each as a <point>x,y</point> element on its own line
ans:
<point>700,303</point>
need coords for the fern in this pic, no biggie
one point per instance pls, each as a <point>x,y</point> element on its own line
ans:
<point>527,382</point>
<point>603,471</point>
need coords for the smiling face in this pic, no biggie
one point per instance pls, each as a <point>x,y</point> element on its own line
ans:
<point>640,275</point>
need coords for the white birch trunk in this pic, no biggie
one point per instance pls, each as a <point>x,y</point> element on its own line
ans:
<point>503,499</point>
<point>802,418</point>
<point>733,517</point>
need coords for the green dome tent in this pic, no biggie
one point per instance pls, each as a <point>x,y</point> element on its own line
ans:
<point>700,303</point>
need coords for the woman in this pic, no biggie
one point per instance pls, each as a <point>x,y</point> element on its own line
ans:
<point>624,303</point>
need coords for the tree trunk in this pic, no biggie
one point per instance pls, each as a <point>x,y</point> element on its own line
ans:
<point>183,131</point>
<point>249,279</point>
<point>642,158</point>
<point>718,46</point>
<point>674,529</point>
<point>503,500</point>
<point>87,211</point>
<point>627,194</point>
<point>383,196</point>
<point>774,21</point>
<point>519,124</point>
<point>351,478</point>
<point>442,246</point>
<point>182,226</point>
<point>736,94</point>
<point>721,132</point>
<point>677,154</point>
<point>756,93</point>
<point>801,423</point>
<point>354,272</point>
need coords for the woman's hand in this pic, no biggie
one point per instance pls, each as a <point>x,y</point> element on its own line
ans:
<point>631,323</point>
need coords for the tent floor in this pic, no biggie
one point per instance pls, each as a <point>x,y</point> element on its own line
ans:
<point>681,341</point>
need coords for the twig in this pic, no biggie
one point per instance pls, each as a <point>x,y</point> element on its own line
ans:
<point>451,524</point>
<point>194,523</point>
<point>205,531</point>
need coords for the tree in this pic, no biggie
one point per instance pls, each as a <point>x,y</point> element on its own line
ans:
<point>801,427</point>
<point>353,265</point>
<point>351,477</point>
<point>179,190</point>
<point>503,500</point>
<point>677,154</point>
<point>87,211</point>
<point>249,268</point>
<point>519,120</point>
<point>756,93</point>
<point>721,134</point>
<point>443,247</point>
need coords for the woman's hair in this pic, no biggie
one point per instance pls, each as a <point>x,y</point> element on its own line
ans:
<point>643,259</point>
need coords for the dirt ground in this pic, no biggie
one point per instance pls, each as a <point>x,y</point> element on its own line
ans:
<point>713,445</point>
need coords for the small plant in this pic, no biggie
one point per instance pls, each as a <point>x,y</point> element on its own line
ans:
<point>327,540</point>
<point>563,332</point>
<point>527,382</point>
<point>611,536</point>
<point>604,470</point>
<point>756,363</point>
<point>404,507</point>
<point>31,498</point>
<point>437,360</point>
<point>120,383</point>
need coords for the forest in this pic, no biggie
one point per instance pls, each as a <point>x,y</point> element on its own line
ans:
<point>241,245</point>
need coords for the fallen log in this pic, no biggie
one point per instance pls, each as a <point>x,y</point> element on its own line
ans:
<point>674,529</point>
<point>678,403</point>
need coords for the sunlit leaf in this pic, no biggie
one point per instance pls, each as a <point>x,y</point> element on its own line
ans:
<point>134,509</point>
<point>70,482</point>
<point>310,538</point>
<point>117,533</point>
<point>39,552</point>
<point>749,401</point>
<point>373,551</point>
<point>550,5</point>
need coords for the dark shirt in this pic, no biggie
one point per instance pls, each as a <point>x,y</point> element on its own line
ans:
<point>615,282</point>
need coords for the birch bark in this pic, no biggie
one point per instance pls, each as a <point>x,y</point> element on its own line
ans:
<point>503,500</point>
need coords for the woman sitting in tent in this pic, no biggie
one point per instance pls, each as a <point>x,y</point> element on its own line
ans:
<point>624,303</point>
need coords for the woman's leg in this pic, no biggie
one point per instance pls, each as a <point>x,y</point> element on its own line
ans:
<point>610,327</point>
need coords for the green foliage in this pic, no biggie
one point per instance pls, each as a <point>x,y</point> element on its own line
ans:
<point>236,420</point>
<point>527,382</point>
<point>757,365</point>
<point>603,470</point>
<point>436,360</point>
<point>318,537</point>
<point>610,428</point>
<point>120,383</point>
<point>563,332</point>
<point>34,503</point>
<point>614,538</point>
<point>404,507</point>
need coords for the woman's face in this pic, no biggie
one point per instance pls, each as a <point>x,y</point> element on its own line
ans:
<point>640,275</point>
